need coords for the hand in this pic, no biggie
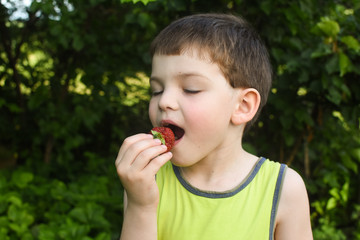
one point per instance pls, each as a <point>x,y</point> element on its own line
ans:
<point>140,158</point>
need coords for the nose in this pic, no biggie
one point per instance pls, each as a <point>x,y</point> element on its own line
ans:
<point>168,100</point>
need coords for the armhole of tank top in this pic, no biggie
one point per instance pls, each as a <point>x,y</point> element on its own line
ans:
<point>276,198</point>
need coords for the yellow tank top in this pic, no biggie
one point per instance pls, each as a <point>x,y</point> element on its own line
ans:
<point>245,212</point>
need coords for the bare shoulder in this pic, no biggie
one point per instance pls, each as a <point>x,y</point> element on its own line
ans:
<point>293,184</point>
<point>293,216</point>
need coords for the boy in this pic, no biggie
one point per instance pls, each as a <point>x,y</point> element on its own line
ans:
<point>210,78</point>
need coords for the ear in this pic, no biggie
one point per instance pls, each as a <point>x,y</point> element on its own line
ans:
<point>248,102</point>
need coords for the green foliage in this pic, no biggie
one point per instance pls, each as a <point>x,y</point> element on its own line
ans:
<point>74,84</point>
<point>136,1</point>
<point>314,107</point>
<point>35,207</point>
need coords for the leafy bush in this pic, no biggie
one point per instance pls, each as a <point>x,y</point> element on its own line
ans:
<point>73,85</point>
<point>33,206</point>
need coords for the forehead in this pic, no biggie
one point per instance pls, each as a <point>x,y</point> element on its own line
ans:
<point>187,62</point>
<point>194,50</point>
<point>189,54</point>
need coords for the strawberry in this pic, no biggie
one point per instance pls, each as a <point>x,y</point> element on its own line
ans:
<point>165,135</point>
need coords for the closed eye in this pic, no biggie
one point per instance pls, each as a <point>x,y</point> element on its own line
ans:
<point>191,91</point>
<point>156,93</point>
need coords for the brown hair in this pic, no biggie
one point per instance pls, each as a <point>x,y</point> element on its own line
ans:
<point>229,41</point>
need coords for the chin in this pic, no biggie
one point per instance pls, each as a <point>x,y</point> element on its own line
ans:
<point>181,162</point>
<point>178,162</point>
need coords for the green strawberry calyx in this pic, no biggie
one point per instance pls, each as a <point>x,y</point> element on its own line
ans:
<point>159,136</point>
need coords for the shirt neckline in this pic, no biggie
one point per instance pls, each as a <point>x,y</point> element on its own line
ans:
<point>215,194</point>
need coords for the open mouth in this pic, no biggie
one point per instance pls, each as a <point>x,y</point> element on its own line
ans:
<point>178,132</point>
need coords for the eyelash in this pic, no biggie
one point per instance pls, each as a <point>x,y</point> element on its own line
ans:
<point>191,91</point>
<point>187,91</point>
<point>156,93</point>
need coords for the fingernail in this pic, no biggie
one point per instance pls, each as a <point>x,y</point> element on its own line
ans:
<point>169,155</point>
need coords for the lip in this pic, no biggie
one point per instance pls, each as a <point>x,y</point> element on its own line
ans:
<point>165,123</point>
<point>175,128</point>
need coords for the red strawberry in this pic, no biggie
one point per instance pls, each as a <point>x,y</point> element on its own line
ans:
<point>165,135</point>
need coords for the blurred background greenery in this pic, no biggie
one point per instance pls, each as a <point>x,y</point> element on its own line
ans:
<point>74,84</point>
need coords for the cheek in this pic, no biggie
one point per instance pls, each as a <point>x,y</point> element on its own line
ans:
<point>206,116</point>
<point>152,112</point>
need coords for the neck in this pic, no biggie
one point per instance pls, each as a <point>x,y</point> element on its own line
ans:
<point>221,170</point>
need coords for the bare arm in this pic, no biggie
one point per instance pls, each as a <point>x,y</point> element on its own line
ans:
<point>138,223</point>
<point>140,158</point>
<point>293,217</point>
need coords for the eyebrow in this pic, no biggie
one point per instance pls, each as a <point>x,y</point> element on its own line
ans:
<point>192,74</point>
<point>181,76</point>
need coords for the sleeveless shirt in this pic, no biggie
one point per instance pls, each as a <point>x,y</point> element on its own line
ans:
<point>246,212</point>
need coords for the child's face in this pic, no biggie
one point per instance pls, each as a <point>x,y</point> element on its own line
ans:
<point>192,94</point>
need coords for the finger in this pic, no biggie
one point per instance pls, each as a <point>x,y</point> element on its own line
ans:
<point>128,142</point>
<point>135,149</point>
<point>156,163</point>
<point>146,156</point>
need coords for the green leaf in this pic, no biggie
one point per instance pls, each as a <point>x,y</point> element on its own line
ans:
<point>144,19</point>
<point>91,214</point>
<point>4,221</point>
<point>20,216</point>
<point>14,108</point>
<point>349,163</point>
<point>332,65</point>
<point>335,193</point>
<point>330,27</point>
<point>158,135</point>
<point>2,102</point>
<point>344,192</point>
<point>22,179</point>
<point>59,190</point>
<point>318,206</point>
<point>4,234</point>
<point>351,42</point>
<point>46,233</point>
<point>27,235</point>
<point>79,214</point>
<point>331,204</point>
<point>321,50</point>
<point>103,236</point>
<point>15,200</point>
<point>344,64</point>
<point>334,95</point>
<point>72,230</point>
<point>356,154</point>
<point>145,2</point>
